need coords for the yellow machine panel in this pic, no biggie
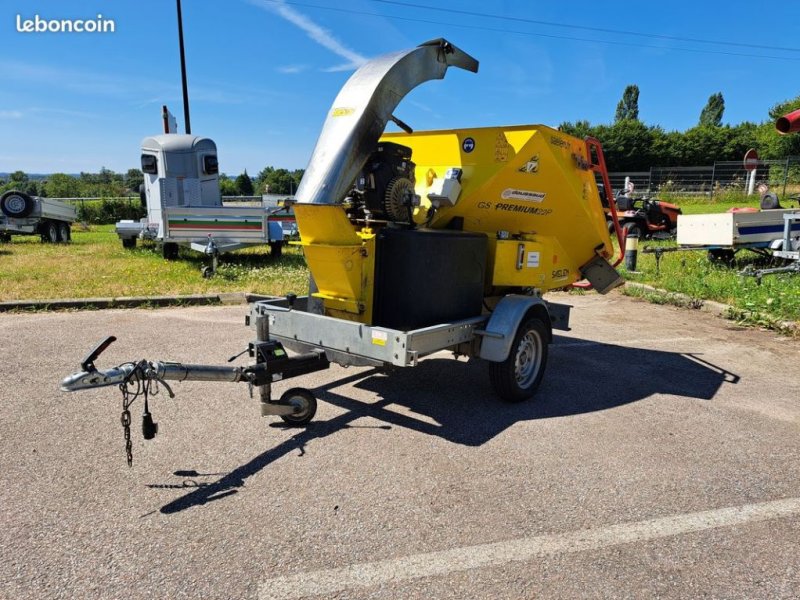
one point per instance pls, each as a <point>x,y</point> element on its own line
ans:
<point>529,189</point>
<point>340,260</point>
<point>527,180</point>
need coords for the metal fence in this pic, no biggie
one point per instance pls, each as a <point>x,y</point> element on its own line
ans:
<point>722,179</point>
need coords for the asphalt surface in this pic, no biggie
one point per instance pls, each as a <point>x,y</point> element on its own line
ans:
<point>659,459</point>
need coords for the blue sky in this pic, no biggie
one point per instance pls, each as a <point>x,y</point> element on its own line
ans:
<point>263,73</point>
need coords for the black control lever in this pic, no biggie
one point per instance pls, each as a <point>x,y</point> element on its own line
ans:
<point>88,363</point>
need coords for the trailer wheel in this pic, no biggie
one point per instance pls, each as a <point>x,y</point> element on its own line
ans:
<point>721,256</point>
<point>16,205</point>
<point>129,242</point>
<point>170,250</point>
<point>275,249</point>
<point>517,377</point>
<point>304,401</point>
<point>5,238</point>
<point>50,229</point>
<point>64,234</point>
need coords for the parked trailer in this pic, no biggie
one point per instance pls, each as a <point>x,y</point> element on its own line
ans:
<point>31,215</point>
<point>416,243</point>
<point>724,234</point>
<point>184,206</point>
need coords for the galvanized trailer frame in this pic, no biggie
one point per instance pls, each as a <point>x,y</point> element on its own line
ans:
<point>354,343</point>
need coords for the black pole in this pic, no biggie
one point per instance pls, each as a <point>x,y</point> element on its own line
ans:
<point>183,72</point>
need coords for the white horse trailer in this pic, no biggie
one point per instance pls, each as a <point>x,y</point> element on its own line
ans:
<point>184,206</point>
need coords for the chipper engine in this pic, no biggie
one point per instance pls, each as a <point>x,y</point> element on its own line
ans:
<point>417,242</point>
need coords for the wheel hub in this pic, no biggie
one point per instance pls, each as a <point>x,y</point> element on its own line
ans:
<point>15,204</point>
<point>528,359</point>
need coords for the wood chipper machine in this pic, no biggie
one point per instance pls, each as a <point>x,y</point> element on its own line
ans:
<point>419,242</point>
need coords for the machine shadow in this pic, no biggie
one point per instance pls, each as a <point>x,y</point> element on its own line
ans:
<point>458,404</point>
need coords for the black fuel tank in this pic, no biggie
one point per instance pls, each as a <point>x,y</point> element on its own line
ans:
<point>426,277</point>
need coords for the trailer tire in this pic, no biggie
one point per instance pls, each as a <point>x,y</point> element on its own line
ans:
<point>16,205</point>
<point>170,250</point>
<point>307,403</point>
<point>721,256</point>
<point>275,249</point>
<point>50,232</point>
<point>64,234</point>
<point>129,242</point>
<point>517,377</point>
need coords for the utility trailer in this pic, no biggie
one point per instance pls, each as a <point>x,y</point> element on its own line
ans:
<point>771,233</point>
<point>184,206</point>
<point>724,234</point>
<point>31,215</point>
<point>417,242</point>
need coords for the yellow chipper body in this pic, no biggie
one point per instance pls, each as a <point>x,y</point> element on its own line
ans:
<point>419,242</point>
<point>528,189</point>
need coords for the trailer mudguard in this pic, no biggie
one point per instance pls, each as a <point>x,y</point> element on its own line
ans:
<point>505,320</point>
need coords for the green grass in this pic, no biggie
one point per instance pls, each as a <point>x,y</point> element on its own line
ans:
<point>96,265</point>
<point>690,273</point>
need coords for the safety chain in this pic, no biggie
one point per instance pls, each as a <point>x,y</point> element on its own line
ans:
<point>142,381</point>
<point>134,386</point>
<point>125,419</point>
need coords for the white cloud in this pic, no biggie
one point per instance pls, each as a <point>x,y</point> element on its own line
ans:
<point>10,114</point>
<point>319,34</point>
<point>291,69</point>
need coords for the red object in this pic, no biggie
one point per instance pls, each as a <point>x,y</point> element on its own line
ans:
<point>751,159</point>
<point>789,123</point>
<point>600,167</point>
<point>746,209</point>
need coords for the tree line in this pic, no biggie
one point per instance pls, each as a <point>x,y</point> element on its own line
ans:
<point>108,184</point>
<point>631,145</point>
<point>268,181</point>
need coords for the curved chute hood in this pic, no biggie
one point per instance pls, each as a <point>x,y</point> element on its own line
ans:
<point>361,111</point>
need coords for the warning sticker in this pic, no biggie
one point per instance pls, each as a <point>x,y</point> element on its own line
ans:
<point>510,193</point>
<point>379,338</point>
<point>533,260</point>
<point>532,166</point>
<point>342,112</point>
<point>501,148</point>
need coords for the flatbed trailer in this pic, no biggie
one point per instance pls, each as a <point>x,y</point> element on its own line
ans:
<point>21,214</point>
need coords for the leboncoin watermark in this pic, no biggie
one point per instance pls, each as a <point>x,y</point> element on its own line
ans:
<point>37,24</point>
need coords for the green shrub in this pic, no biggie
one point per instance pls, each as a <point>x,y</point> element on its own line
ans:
<point>108,211</point>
